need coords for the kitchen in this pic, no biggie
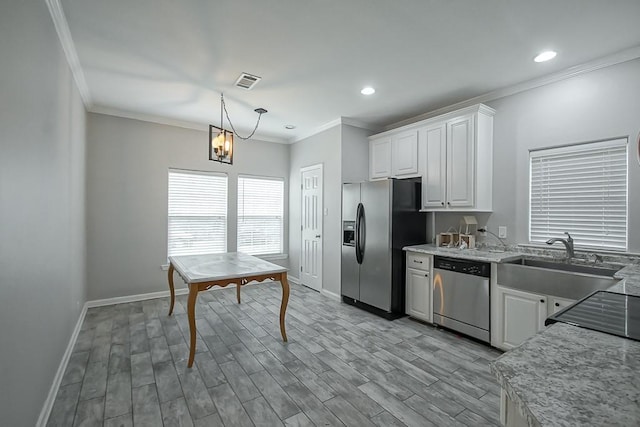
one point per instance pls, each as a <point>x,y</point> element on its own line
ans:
<point>109,173</point>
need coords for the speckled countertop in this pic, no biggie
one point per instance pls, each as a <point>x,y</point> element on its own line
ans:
<point>566,375</point>
<point>570,376</point>
<point>486,255</point>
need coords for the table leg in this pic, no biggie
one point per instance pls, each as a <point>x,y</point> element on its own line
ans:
<point>283,306</point>
<point>171,290</point>
<point>238,290</point>
<point>191,313</point>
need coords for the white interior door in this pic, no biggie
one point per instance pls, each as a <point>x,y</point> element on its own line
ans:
<point>311,225</point>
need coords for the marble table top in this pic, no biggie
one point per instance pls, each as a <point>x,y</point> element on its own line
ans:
<point>230,265</point>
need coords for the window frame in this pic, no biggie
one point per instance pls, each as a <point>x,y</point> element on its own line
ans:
<point>271,255</point>
<point>575,149</point>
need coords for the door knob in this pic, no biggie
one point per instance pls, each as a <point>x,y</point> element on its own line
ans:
<point>317,236</point>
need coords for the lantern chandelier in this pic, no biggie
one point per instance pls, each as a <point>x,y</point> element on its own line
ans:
<point>221,140</point>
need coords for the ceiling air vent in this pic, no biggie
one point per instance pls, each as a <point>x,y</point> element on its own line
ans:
<point>247,81</point>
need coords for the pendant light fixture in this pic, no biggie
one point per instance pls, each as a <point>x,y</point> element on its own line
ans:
<point>221,140</point>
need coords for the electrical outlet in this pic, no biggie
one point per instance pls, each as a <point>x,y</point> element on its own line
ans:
<point>502,232</point>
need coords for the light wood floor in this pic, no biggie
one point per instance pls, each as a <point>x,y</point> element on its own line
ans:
<point>341,366</point>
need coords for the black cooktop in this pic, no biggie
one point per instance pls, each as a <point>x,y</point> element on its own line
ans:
<point>603,311</point>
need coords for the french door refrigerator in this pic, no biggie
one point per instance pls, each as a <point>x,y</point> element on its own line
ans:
<point>379,218</point>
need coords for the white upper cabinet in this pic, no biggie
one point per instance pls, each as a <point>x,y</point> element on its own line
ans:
<point>394,156</point>
<point>434,169</point>
<point>380,158</point>
<point>404,157</point>
<point>457,169</point>
<point>460,163</point>
<point>453,153</point>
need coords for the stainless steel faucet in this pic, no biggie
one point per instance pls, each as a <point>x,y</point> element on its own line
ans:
<point>568,244</point>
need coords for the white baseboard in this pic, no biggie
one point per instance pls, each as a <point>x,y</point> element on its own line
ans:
<point>133,298</point>
<point>331,295</point>
<point>55,386</point>
<point>293,279</point>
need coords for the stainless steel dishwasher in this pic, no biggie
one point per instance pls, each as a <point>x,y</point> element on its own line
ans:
<point>461,296</point>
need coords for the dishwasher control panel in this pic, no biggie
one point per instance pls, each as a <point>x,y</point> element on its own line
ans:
<point>475,268</point>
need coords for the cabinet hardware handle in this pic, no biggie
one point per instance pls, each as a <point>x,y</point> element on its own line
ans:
<point>442,203</point>
<point>449,203</point>
<point>317,236</point>
<point>557,304</point>
<point>419,262</point>
<point>541,300</point>
<point>426,275</point>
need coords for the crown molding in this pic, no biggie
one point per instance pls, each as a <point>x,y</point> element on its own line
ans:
<point>359,124</point>
<point>315,131</point>
<point>69,48</point>
<point>587,67</point>
<point>150,118</point>
<point>333,123</point>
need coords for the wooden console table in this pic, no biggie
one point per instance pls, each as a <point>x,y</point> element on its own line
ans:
<point>202,272</point>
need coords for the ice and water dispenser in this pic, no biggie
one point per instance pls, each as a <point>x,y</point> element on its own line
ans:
<point>349,233</point>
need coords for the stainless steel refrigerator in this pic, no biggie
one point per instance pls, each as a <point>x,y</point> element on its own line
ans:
<point>379,218</point>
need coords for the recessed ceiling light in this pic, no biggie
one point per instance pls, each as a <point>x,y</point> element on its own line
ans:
<point>368,91</point>
<point>289,127</point>
<point>545,56</point>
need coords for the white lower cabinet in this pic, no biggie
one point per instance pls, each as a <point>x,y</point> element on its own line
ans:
<point>418,287</point>
<point>556,304</point>
<point>521,315</point>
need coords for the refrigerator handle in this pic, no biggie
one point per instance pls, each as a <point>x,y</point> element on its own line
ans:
<point>357,235</point>
<point>360,233</point>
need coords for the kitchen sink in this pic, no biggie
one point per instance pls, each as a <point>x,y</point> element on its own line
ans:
<point>560,279</point>
<point>563,266</point>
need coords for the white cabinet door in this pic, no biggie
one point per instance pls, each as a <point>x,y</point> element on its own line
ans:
<point>520,316</point>
<point>404,158</point>
<point>418,302</point>
<point>556,304</point>
<point>461,162</point>
<point>380,158</point>
<point>434,173</point>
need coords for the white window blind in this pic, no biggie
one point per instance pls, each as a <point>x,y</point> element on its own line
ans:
<point>197,213</point>
<point>581,189</point>
<point>260,215</point>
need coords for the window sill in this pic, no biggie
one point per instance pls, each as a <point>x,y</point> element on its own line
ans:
<point>269,257</point>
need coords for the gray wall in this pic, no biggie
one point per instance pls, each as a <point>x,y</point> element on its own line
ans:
<point>597,105</point>
<point>324,148</point>
<point>42,222</point>
<point>127,171</point>
<point>355,154</point>
<point>343,151</point>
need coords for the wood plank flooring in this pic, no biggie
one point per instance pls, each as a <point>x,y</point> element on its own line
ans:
<point>341,366</point>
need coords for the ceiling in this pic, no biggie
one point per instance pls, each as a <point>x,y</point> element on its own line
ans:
<point>171,59</point>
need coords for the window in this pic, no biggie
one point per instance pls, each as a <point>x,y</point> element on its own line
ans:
<point>260,215</point>
<point>581,189</point>
<point>197,213</point>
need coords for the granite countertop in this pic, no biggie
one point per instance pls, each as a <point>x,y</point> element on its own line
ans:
<point>486,255</point>
<point>566,375</point>
<point>570,376</point>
